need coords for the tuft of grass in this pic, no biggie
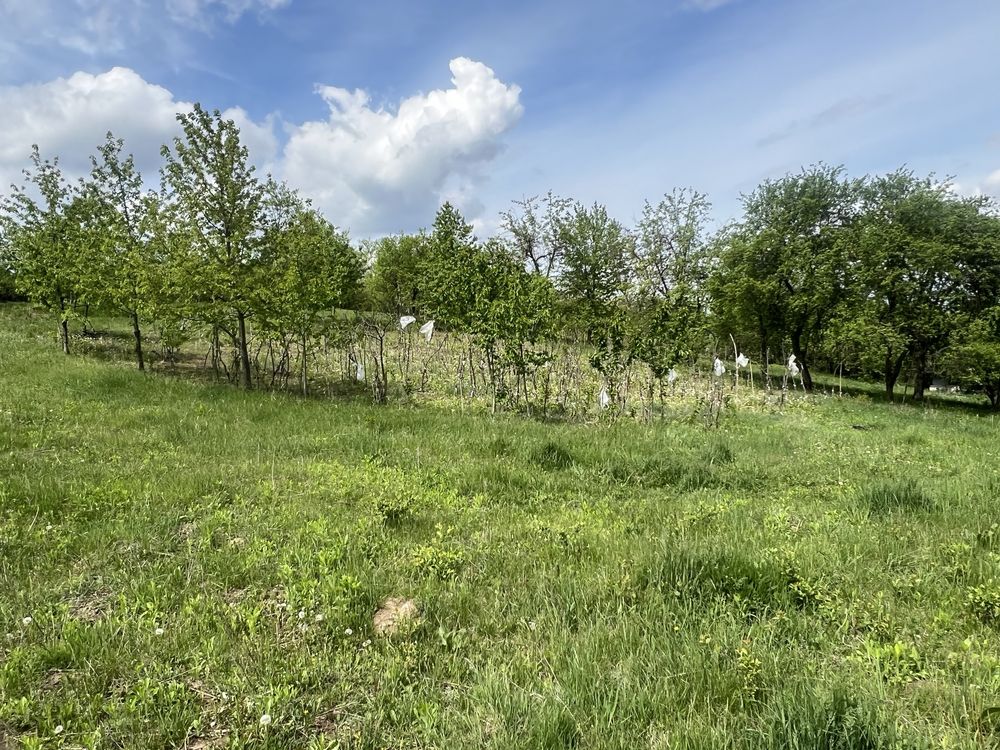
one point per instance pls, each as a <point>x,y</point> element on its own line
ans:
<point>885,497</point>
<point>552,456</point>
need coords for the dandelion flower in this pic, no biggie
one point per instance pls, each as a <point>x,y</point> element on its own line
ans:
<point>319,617</point>
<point>158,631</point>
<point>26,620</point>
<point>348,631</point>
<point>58,729</point>
<point>265,720</point>
<point>367,643</point>
<point>302,614</point>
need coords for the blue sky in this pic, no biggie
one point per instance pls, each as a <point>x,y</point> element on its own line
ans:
<point>610,102</point>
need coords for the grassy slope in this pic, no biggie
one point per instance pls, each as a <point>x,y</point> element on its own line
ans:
<point>768,584</point>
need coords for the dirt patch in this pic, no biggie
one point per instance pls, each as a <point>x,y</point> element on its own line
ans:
<point>92,607</point>
<point>394,612</point>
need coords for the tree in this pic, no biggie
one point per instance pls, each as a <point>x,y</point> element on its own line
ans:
<point>45,224</point>
<point>917,257</point>
<point>973,359</point>
<point>673,262</point>
<point>395,283</point>
<point>215,200</point>
<point>123,267</point>
<point>782,266</point>
<point>310,268</point>
<point>595,282</point>
<point>534,227</point>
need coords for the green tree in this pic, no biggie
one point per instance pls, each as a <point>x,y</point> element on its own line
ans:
<point>216,202</point>
<point>782,266</point>
<point>973,359</point>
<point>534,227</point>
<point>123,268</point>
<point>916,255</point>
<point>595,281</point>
<point>309,268</point>
<point>46,231</point>
<point>673,261</point>
<point>395,283</point>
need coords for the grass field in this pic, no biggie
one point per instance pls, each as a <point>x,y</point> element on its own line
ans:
<point>188,565</point>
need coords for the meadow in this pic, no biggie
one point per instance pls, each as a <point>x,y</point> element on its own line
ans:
<point>185,564</point>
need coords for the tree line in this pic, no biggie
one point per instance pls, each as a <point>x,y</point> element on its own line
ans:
<point>872,276</point>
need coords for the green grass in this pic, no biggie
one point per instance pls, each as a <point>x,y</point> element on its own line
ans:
<point>192,558</point>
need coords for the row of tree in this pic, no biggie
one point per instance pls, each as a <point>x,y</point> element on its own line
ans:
<point>867,276</point>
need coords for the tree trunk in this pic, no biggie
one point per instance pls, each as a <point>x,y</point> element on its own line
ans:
<point>800,355</point>
<point>245,380</point>
<point>919,375</point>
<point>305,378</point>
<point>138,341</point>
<point>64,335</point>
<point>892,369</point>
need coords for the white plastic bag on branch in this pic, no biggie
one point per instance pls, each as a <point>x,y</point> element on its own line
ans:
<point>742,360</point>
<point>427,329</point>
<point>360,372</point>
<point>671,376</point>
<point>405,321</point>
<point>718,368</point>
<point>604,399</point>
<point>793,366</point>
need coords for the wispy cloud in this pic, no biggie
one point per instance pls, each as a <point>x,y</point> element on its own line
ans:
<point>845,108</point>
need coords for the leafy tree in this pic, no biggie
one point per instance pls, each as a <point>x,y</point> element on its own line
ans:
<point>673,261</point>
<point>216,202</point>
<point>45,226</point>
<point>310,268</point>
<point>534,227</point>
<point>395,283</point>
<point>123,268</point>
<point>782,266</point>
<point>595,283</point>
<point>916,253</point>
<point>973,359</point>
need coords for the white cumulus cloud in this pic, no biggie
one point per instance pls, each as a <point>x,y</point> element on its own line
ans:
<point>377,170</point>
<point>68,118</point>
<point>369,169</point>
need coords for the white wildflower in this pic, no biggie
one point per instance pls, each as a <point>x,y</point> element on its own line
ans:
<point>265,720</point>
<point>348,631</point>
<point>26,620</point>
<point>319,617</point>
<point>158,631</point>
<point>58,729</point>
<point>302,614</point>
